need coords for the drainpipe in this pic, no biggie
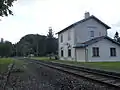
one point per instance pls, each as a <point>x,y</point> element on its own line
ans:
<point>86,55</point>
<point>75,55</point>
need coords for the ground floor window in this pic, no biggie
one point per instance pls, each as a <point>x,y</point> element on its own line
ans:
<point>62,53</point>
<point>112,51</point>
<point>69,52</point>
<point>95,51</point>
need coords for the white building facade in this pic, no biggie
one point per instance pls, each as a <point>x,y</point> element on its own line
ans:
<point>87,41</point>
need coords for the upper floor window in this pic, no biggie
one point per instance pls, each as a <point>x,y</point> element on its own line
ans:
<point>69,34</point>
<point>61,38</point>
<point>91,33</point>
<point>95,51</point>
<point>112,51</point>
<point>91,29</point>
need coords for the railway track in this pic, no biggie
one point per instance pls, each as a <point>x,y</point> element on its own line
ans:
<point>108,78</point>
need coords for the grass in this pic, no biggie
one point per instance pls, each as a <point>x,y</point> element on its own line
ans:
<point>4,62</point>
<point>110,66</point>
<point>43,58</point>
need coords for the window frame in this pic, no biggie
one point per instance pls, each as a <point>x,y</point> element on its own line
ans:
<point>95,52</point>
<point>69,52</point>
<point>92,34</point>
<point>113,52</point>
<point>92,28</point>
<point>61,38</point>
<point>62,52</point>
<point>69,35</point>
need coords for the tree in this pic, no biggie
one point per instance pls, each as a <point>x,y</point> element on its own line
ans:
<point>31,44</point>
<point>116,36</point>
<point>36,44</point>
<point>6,49</point>
<point>2,40</point>
<point>5,7</point>
<point>50,33</point>
<point>51,43</point>
<point>9,48</point>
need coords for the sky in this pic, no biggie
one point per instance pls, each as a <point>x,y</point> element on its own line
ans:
<point>36,16</point>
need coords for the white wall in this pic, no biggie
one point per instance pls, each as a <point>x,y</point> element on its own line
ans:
<point>104,51</point>
<point>79,33</point>
<point>83,33</point>
<point>65,47</point>
<point>80,54</point>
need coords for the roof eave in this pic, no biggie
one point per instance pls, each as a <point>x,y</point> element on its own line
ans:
<point>108,27</point>
<point>79,47</point>
<point>112,40</point>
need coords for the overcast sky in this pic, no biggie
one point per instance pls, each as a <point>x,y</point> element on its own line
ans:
<point>36,16</point>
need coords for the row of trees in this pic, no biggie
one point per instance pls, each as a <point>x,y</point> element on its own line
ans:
<point>31,44</point>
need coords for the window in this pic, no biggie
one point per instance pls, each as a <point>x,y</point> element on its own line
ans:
<point>69,34</point>
<point>92,33</point>
<point>69,52</point>
<point>61,38</point>
<point>92,30</point>
<point>95,51</point>
<point>62,53</point>
<point>112,51</point>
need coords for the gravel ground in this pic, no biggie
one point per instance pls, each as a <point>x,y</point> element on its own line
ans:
<point>38,77</point>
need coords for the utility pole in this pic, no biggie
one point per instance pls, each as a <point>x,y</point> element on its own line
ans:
<point>16,50</point>
<point>37,49</point>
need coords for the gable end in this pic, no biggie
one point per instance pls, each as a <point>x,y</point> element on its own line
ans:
<point>81,21</point>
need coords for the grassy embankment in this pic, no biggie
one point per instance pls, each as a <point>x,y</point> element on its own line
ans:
<point>5,62</point>
<point>111,66</point>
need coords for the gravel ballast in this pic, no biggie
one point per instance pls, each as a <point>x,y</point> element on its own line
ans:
<point>38,77</point>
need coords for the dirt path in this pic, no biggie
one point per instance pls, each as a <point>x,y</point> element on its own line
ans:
<point>38,77</point>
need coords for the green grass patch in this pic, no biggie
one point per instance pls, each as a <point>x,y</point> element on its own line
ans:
<point>43,58</point>
<point>4,62</point>
<point>110,66</point>
<point>114,66</point>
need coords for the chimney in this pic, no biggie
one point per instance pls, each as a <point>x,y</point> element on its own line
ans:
<point>87,14</point>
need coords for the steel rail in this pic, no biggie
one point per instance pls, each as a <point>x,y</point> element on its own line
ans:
<point>104,78</point>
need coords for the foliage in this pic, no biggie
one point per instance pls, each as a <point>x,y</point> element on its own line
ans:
<point>29,44</point>
<point>51,43</point>
<point>33,44</point>
<point>5,49</point>
<point>116,37</point>
<point>5,7</point>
